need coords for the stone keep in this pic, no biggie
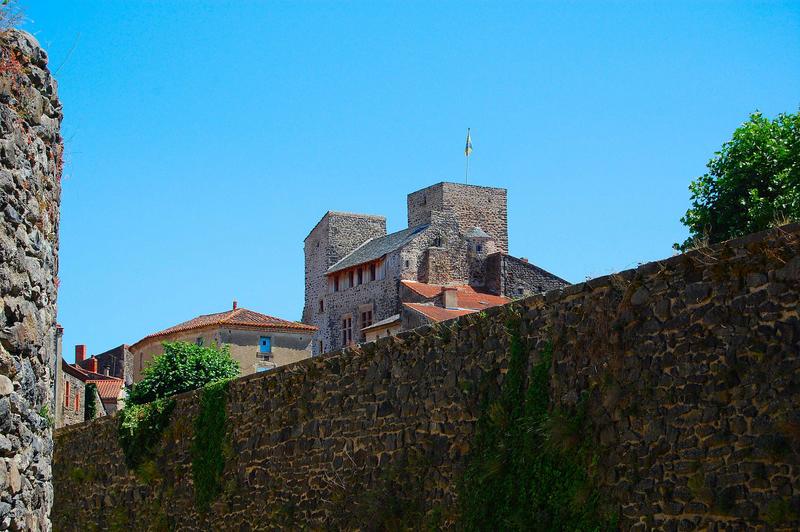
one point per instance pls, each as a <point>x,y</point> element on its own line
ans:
<point>457,234</point>
<point>31,152</point>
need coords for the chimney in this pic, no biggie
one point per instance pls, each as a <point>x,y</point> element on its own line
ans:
<point>92,365</point>
<point>524,259</point>
<point>235,305</point>
<point>450,297</point>
<point>80,353</point>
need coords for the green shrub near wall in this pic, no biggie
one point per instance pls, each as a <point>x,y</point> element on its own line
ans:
<point>210,445</point>
<point>90,409</point>
<point>141,427</point>
<point>529,465</point>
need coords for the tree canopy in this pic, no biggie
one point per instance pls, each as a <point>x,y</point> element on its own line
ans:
<point>181,368</point>
<point>752,182</point>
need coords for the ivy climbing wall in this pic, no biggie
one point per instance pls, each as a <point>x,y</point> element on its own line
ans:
<point>661,397</point>
<point>31,152</point>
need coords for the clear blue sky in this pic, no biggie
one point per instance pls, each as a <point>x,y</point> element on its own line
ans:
<point>205,139</point>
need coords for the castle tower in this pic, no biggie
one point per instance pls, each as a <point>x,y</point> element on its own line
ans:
<point>334,236</point>
<point>470,205</point>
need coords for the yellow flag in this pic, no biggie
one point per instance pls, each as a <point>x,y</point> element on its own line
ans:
<point>468,147</point>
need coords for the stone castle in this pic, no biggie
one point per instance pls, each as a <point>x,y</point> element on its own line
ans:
<point>457,235</point>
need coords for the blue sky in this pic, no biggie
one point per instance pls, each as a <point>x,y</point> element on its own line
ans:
<point>205,139</point>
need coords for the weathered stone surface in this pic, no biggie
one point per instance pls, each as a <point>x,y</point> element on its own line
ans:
<point>6,386</point>
<point>30,172</point>
<point>692,400</point>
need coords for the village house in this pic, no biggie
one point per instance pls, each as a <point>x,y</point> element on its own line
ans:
<point>116,362</point>
<point>257,341</point>
<point>362,283</point>
<point>73,390</point>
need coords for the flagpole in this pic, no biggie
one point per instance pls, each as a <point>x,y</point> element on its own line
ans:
<point>467,152</point>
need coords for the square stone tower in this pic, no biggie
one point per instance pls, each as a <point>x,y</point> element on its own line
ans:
<point>470,205</point>
<point>334,236</point>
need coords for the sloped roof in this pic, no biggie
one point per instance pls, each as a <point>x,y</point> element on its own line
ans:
<point>388,321</point>
<point>236,318</point>
<point>477,232</point>
<point>438,313</point>
<point>376,248</point>
<point>468,297</point>
<point>76,372</point>
<point>108,388</point>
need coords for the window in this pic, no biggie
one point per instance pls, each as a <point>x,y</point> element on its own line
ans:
<point>77,401</point>
<point>66,394</point>
<point>366,319</point>
<point>350,276</point>
<point>478,248</point>
<point>407,263</point>
<point>371,272</point>
<point>336,284</point>
<point>265,344</point>
<point>360,276</point>
<point>321,347</point>
<point>347,330</point>
<point>322,305</point>
<point>199,341</point>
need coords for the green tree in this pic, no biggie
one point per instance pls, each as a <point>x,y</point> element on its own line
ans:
<point>181,368</point>
<point>751,183</point>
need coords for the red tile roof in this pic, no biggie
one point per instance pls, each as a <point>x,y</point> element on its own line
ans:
<point>108,388</point>
<point>236,318</point>
<point>468,297</point>
<point>438,313</point>
<point>75,371</point>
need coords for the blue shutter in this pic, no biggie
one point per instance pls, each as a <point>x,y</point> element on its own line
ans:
<point>265,344</point>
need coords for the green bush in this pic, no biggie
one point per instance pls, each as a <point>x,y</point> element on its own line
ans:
<point>529,465</point>
<point>140,429</point>
<point>181,368</point>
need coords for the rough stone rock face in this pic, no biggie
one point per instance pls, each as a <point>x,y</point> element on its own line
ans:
<point>30,172</point>
<point>690,369</point>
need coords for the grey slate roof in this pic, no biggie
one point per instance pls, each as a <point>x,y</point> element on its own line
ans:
<point>377,247</point>
<point>391,319</point>
<point>477,232</point>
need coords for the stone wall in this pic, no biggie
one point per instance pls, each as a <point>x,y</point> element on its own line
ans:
<point>72,405</point>
<point>690,370</point>
<point>515,278</point>
<point>31,158</point>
